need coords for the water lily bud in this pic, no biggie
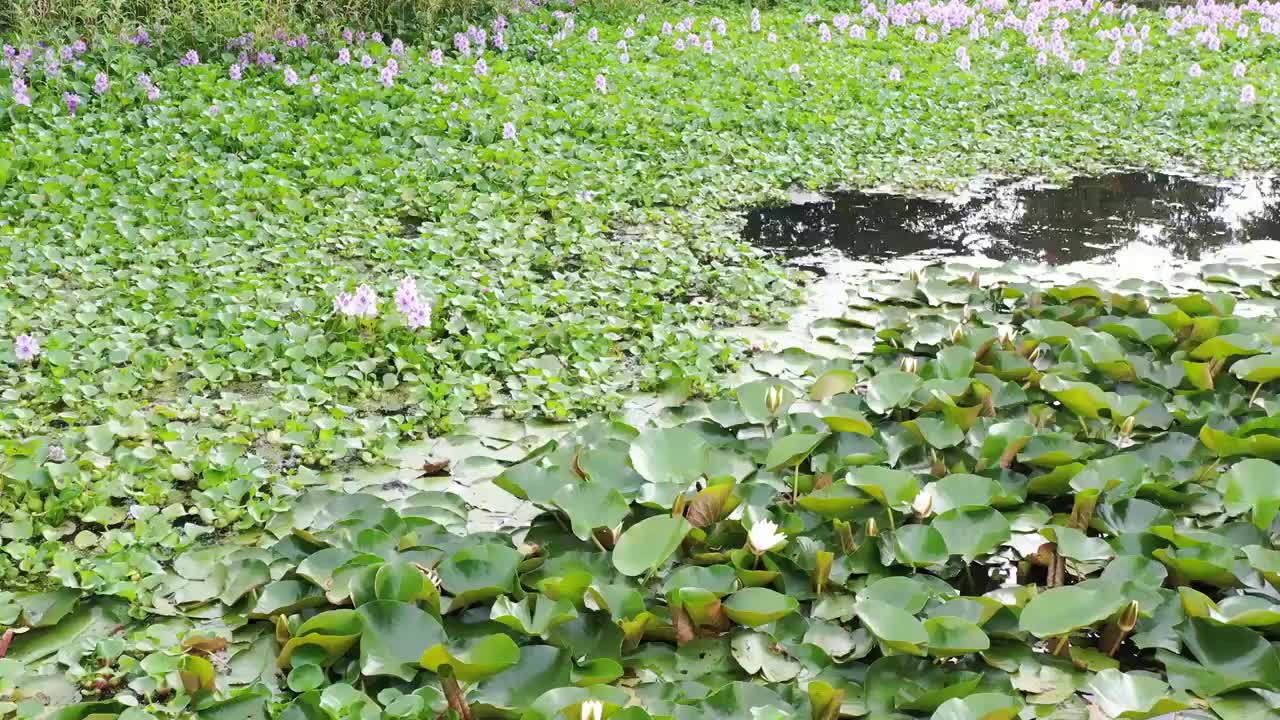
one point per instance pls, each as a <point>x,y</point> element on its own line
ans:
<point>1128,619</point>
<point>1126,428</point>
<point>922,505</point>
<point>773,399</point>
<point>765,536</point>
<point>1006,334</point>
<point>591,710</point>
<point>873,529</point>
<point>957,334</point>
<point>968,313</point>
<point>910,364</point>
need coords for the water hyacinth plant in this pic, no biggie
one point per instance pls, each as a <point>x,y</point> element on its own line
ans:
<point>236,484</point>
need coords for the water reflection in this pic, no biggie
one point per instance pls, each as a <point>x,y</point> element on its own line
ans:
<point>1132,220</point>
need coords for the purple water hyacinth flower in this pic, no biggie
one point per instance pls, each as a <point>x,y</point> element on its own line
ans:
<point>1239,70</point>
<point>666,28</point>
<point>101,84</point>
<point>462,44</point>
<point>755,24</point>
<point>509,131</point>
<point>794,70</point>
<point>857,32</point>
<point>290,76</point>
<point>964,63</point>
<point>481,67</point>
<point>593,34</point>
<point>1114,58</point>
<point>362,304</point>
<point>406,293</point>
<point>280,35</point>
<point>641,18</point>
<point>622,45</point>
<point>772,37</point>
<point>236,71</point>
<point>360,36</point>
<point>500,42</point>
<point>79,47</point>
<point>397,47</point>
<point>393,66</point>
<point>680,43</point>
<point>26,347</point>
<point>346,35</point>
<point>440,87</point>
<point>1195,71</point>
<point>153,93</point>
<point>437,57</point>
<point>376,37</point>
<point>624,58</point>
<point>344,56</point>
<point>895,75</point>
<point>1248,94</point>
<point>1079,66</point>
<point>921,34</point>
<point>66,53</point>
<point>72,100</point>
<point>265,58</point>
<point>190,59</point>
<point>366,62</point>
<point>602,83</point>
<point>824,33</point>
<point>707,47</point>
<point>628,33</point>
<point>387,76</point>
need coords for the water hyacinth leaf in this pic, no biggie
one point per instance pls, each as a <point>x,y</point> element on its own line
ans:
<point>646,545</point>
<point>472,660</point>
<point>669,455</point>
<point>756,606</point>
<point>1060,610</point>
<point>894,627</point>
<point>394,635</point>
<point>1252,486</point>
<point>333,632</point>
<point>478,572</point>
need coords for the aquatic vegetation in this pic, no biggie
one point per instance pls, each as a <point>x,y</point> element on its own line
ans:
<point>235,305</point>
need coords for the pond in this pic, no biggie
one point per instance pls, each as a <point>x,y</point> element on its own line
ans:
<point>1132,221</point>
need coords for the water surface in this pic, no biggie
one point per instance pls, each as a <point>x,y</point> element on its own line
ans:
<point>1132,221</point>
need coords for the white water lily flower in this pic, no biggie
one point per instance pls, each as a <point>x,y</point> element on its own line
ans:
<point>592,710</point>
<point>765,536</point>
